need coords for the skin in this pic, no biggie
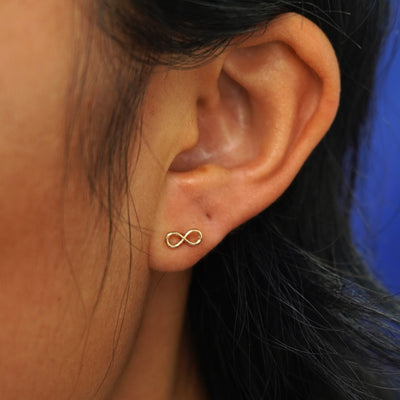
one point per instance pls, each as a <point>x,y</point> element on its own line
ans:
<point>58,317</point>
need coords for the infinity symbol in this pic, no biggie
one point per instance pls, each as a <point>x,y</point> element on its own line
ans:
<point>183,238</point>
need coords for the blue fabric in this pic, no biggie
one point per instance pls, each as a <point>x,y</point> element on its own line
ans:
<point>376,217</point>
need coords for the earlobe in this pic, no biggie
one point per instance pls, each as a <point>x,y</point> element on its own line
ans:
<point>275,96</point>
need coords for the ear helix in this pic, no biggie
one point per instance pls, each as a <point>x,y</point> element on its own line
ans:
<point>192,237</point>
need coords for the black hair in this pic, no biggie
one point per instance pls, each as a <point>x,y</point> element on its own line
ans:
<point>284,307</point>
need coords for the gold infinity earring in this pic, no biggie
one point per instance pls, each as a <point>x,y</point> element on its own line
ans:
<point>183,238</point>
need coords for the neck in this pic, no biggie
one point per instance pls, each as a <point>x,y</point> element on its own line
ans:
<point>162,365</point>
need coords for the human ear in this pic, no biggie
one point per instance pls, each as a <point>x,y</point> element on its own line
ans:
<point>262,107</point>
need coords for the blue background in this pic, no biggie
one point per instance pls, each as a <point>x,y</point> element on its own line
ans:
<point>376,216</point>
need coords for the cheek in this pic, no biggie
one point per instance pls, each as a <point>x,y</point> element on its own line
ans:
<point>63,303</point>
<point>66,310</point>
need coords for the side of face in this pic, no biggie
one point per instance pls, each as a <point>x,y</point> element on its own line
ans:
<point>60,299</point>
